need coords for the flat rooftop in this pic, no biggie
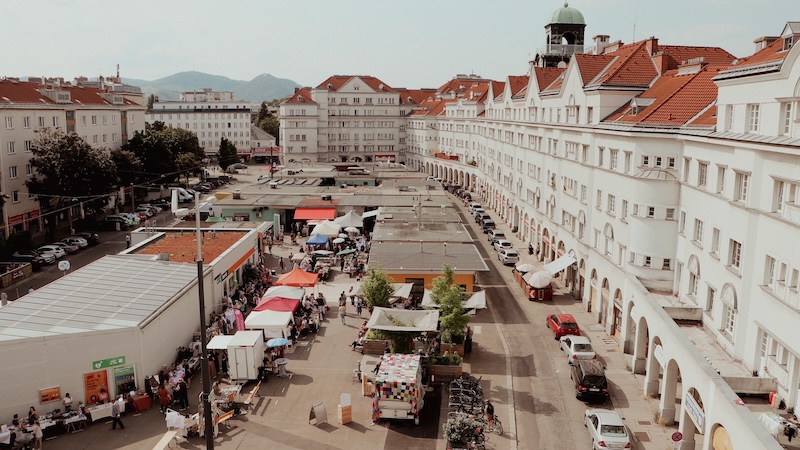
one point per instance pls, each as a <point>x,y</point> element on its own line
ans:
<point>114,292</point>
<point>429,212</point>
<point>182,245</point>
<point>411,231</point>
<point>716,355</point>
<point>426,257</point>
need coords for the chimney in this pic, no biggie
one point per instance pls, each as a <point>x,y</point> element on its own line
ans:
<point>600,43</point>
<point>612,47</point>
<point>652,45</point>
<point>661,61</point>
<point>764,42</point>
<point>296,89</point>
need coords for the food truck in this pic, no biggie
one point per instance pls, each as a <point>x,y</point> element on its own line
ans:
<point>398,387</point>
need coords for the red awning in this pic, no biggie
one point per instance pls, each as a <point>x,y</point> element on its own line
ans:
<point>314,213</point>
<point>277,304</point>
<point>297,277</point>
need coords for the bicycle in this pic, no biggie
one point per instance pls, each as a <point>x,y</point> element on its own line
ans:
<point>497,428</point>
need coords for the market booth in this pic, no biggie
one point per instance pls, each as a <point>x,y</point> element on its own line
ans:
<point>273,324</point>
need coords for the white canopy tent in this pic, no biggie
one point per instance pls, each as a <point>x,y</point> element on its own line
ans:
<point>274,324</point>
<point>476,301</point>
<point>219,342</point>
<point>414,320</point>
<point>327,228</point>
<point>559,264</point>
<point>296,293</point>
<point>351,219</point>
<point>538,279</point>
<point>372,213</point>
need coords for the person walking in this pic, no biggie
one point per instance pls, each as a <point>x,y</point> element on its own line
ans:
<point>127,241</point>
<point>280,263</point>
<point>183,393</point>
<point>37,434</point>
<point>164,398</point>
<point>115,414</point>
<point>269,246</point>
<point>359,307</point>
<point>343,311</point>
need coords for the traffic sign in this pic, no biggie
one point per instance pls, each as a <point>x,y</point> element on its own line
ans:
<point>63,266</point>
<point>677,436</point>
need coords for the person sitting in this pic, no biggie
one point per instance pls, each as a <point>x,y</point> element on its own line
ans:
<point>103,397</point>
<point>358,343</point>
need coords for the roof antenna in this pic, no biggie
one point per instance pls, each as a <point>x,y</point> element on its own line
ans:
<point>635,17</point>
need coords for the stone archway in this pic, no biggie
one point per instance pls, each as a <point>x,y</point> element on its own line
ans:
<point>692,420</point>
<point>604,297</point>
<point>669,388</point>
<point>640,344</point>
<point>616,315</point>
<point>593,292</point>
<point>545,244</point>
<point>582,284</point>
<point>654,367</point>
<point>720,439</point>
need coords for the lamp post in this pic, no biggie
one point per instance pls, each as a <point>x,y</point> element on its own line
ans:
<point>204,372</point>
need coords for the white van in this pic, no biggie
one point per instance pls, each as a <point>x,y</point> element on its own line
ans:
<point>183,195</point>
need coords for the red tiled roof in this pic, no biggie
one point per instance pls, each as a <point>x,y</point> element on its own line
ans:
<point>337,81</point>
<point>517,83</point>
<point>21,92</point>
<point>432,106</point>
<point>555,85</point>
<point>631,66</point>
<point>546,75</point>
<point>678,98</point>
<point>303,95</point>
<point>681,53</point>
<point>707,118</point>
<point>497,88</point>
<point>770,53</point>
<point>414,96</point>
<point>589,65</point>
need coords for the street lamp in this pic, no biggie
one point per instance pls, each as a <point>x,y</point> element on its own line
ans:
<point>204,371</point>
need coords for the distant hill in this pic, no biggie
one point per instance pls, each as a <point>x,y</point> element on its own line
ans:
<point>264,87</point>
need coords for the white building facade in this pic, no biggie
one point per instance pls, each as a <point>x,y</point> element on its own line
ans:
<point>345,119</point>
<point>674,185</point>
<point>101,117</point>
<point>210,115</point>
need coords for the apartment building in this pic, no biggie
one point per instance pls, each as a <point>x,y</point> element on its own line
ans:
<point>209,114</point>
<point>101,116</point>
<point>669,174</point>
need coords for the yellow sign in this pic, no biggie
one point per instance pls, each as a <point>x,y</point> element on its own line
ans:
<point>51,394</point>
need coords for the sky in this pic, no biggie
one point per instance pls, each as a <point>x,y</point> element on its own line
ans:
<point>408,43</point>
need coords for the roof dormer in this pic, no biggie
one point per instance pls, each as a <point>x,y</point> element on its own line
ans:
<point>790,34</point>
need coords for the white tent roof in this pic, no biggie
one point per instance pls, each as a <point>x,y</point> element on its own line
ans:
<point>327,228</point>
<point>389,319</point>
<point>219,342</point>
<point>560,264</point>
<point>351,219</point>
<point>296,293</point>
<point>402,290</point>
<point>476,301</point>
<point>371,213</point>
<point>114,292</point>
<point>245,338</point>
<point>265,319</point>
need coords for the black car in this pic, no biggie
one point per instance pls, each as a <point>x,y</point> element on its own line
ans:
<point>91,238</point>
<point>589,377</point>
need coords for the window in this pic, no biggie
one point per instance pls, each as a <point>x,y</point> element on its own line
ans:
<point>740,187</point>
<point>786,119</point>
<point>12,172</point>
<point>697,236</point>
<point>670,214</point>
<point>728,117</point>
<point>26,122</point>
<point>645,161</point>
<point>702,174</point>
<point>627,162</point>
<point>600,151</point>
<point>11,149</point>
<point>9,123</point>
<point>686,162</point>
<point>667,264</point>
<point>752,117</point>
<point>671,162</point>
<point>770,270</point>
<point>721,179</point>
<point>715,241</point>
<point>41,121</point>
<point>651,212</point>
<point>777,196</point>
<point>613,159</point>
<point>83,120</point>
<point>682,224</point>
<point>611,207</point>
<point>15,197</point>
<point>28,170</point>
<point>584,193</point>
<point>624,211</point>
<point>735,254</point>
<point>710,299</point>
<point>730,320</point>
<point>599,200</point>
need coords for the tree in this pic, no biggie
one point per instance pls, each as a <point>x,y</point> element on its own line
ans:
<point>128,166</point>
<point>377,288</point>
<point>188,163</point>
<point>227,155</point>
<point>67,170</point>
<point>152,98</point>
<point>452,315</point>
<point>158,148</point>
<point>268,122</point>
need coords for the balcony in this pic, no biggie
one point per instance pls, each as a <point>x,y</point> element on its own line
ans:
<point>560,49</point>
<point>446,156</point>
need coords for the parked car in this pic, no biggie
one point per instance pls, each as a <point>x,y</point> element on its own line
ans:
<point>606,429</point>
<point>502,244</point>
<point>54,250</point>
<point>495,235</point>
<point>240,166</point>
<point>589,378</point>
<point>133,219</point>
<point>487,224</point>
<point>77,241</point>
<point>480,215</point>
<point>577,348</point>
<point>508,256</point>
<point>148,212</point>
<point>563,325</point>
<point>91,238</point>
<point>201,187</point>
<point>68,248</point>
<point>33,255</point>
<point>477,210</point>
<point>114,222</point>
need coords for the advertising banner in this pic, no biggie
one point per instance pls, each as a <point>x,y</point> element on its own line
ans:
<point>51,394</point>
<point>92,383</point>
<point>124,379</point>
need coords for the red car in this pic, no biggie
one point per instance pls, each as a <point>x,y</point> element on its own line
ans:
<point>563,325</point>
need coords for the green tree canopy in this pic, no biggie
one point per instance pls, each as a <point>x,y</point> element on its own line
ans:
<point>452,315</point>
<point>69,169</point>
<point>268,122</point>
<point>227,155</point>
<point>377,288</point>
<point>128,166</point>
<point>158,148</point>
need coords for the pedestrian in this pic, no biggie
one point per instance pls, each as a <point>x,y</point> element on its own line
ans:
<point>343,311</point>
<point>182,390</point>
<point>359,307</point>
<point>67,403</point>
<point>269,246</point>
<point>164,398</point>
<point>321,307</point>
<point>489,409</point>
<point>280,263</point>
<point>341,265</point>
<point>530,249</point>
<point>342,299</point>
<point>127,241</point>
<point>538,248</point>
<point>223,364</point>
<point>37,434</point>
<point>115,414</point>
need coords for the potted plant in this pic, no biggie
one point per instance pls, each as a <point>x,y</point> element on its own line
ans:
<point>459,431</point>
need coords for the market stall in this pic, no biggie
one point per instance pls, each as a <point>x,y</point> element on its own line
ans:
<point>273,324</point>
<point>297,278</point>
<point>398,389</point>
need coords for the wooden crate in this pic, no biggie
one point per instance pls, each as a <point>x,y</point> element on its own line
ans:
<point>345,414</point>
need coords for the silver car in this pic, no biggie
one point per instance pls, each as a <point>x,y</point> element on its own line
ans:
<point>54,250</point>
<point>577,347</point>
<point>68,248</point>
<point>607,430</point>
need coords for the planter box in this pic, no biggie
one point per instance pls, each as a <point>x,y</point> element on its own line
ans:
<point>374,346</point>
<point>446,374</point>
<point>456,348</point>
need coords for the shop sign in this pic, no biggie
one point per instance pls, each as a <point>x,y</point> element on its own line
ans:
<point>110,362</point>
<point>51,394</point>
<point>695,411</point>
<point>13,220</point>
<point>124,379</point>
